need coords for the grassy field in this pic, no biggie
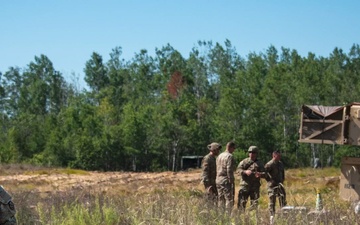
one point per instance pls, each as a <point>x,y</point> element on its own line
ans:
<point>63,196</point>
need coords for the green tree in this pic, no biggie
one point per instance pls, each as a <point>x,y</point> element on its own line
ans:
<point>172,66</point>
<point>12,83</point>
<point>96,73</point>
<point>225,63</point>
<point>118,75</point>
<point>256,129</point>
<point>278,93</point>
<point>35,89</point>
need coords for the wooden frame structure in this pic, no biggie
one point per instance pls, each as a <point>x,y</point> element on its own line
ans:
<point>330,124</point>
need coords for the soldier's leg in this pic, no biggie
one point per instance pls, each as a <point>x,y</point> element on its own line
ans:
<point>214,188</point>
<point>242,199</point>
<point>272,200</point>
<point>11,221</point>
<point>254,198</point>
<point>207,191</point>
<point>282,197</point>
<point>229,197</point>
<point>211,195</point>
<point>221,196</point>
<point>214,195</point>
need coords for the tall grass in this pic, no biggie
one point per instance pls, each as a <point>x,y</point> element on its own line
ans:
<point>183,205</point>
<point>162,207</point>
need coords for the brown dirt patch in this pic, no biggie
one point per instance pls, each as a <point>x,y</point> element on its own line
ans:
<point>103,181</point>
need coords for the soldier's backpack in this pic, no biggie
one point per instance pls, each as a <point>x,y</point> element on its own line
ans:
<point>7,208</point>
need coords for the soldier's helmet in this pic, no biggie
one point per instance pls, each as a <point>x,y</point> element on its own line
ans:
<point>253,149</point>
<point>214,146</point>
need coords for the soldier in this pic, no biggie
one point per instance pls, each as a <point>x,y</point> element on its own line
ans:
<point>7,208</point>
<point>275,176</point>
<point>250,170</point>
<point>208,175</point>
<point>225,167</point>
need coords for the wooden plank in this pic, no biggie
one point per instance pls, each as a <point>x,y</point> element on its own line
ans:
<point>319,141</point>
<point>320,121</point>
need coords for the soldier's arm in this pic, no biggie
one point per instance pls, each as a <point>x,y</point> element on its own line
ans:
<point>261,171</point>
<point>240,168</point>
<point>205,169</point>
<point>268,169</point>
<point>230,169</point>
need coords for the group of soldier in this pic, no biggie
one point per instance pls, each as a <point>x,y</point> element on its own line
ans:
<point>218,177</point>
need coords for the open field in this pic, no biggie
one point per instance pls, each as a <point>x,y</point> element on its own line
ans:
<point>301,183</point>
<point>49,196</point>
<point>47,181</point>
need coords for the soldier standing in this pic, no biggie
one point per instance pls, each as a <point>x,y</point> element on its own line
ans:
<point>251,170</point>
<point>275,176</point>
<point>208,175</point>
<point>225,167</point>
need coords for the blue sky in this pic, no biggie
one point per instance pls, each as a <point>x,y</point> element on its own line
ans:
<point>67,32</point>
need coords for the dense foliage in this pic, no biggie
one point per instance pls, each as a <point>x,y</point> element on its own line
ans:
<point>144,114</point>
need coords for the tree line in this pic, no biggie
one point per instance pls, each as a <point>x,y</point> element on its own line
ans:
<point>145,113</point>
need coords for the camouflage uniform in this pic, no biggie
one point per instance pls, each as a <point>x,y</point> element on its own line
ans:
<point>10,221</point>
<point>225,166</point>
<point>249,185</point>
<point>275,178</point>
<point>208,175</point>
<point>7,208</point>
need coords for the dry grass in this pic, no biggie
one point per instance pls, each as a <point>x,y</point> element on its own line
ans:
<point>301,185</point>
<point>52,196</point>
